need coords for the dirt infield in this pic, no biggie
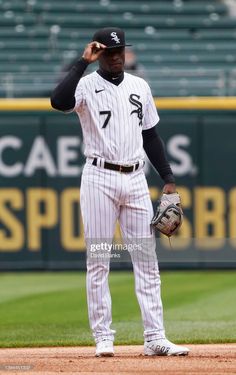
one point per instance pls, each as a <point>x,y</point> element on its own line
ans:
<point>203,359</point>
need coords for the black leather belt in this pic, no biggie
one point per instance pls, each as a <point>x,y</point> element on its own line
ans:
<point>117,167</point>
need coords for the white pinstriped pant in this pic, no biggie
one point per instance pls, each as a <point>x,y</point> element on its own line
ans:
<point>108,196</point>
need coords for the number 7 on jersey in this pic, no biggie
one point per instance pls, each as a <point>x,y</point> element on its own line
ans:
<point>108,113</point>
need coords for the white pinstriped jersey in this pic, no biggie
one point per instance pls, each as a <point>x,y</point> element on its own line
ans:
<point>113,117</point>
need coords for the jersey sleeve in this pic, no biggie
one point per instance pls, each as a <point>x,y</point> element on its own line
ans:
<point>150,115</point>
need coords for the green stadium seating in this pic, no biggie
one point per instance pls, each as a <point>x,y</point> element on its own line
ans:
<point>9,18</point>
<point>139,21</point>
<point>193,41</point>
<point>37,68</point>
<point>144,7</point>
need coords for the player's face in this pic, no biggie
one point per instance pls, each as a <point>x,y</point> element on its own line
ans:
<point>112,60</point>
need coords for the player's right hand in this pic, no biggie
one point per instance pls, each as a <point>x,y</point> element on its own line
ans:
<point>92,51</point>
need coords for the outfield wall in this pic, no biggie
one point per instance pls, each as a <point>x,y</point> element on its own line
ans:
<point>41,160</point>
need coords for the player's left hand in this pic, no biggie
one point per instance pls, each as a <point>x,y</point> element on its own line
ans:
<point>169,188</point>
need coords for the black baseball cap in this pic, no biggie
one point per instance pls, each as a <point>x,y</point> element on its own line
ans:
<point>112,37</point>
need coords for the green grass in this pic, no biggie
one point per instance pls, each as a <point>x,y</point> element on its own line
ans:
<point>49,309</point>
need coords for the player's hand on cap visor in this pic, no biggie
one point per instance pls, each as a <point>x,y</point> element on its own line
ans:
<point>93,50</point>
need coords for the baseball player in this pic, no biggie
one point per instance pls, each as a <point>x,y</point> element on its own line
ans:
<point>118,118</point>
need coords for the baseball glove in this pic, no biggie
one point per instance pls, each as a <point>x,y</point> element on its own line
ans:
<point>169,215</point>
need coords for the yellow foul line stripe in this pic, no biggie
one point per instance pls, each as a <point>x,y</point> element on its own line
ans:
<point>184,103</point>
<point>207,103</point>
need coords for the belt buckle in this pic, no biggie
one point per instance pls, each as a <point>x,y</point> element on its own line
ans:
<point>134,166</point>
<point>123,166</point>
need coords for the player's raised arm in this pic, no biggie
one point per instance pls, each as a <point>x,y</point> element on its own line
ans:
<point>63,97</point>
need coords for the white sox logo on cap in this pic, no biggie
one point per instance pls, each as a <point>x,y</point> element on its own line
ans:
<point>110,36</point>
<point>115,37</point>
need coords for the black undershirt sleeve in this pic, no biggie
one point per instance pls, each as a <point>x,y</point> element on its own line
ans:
<point>155,150</point>
<point>63,97</point>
